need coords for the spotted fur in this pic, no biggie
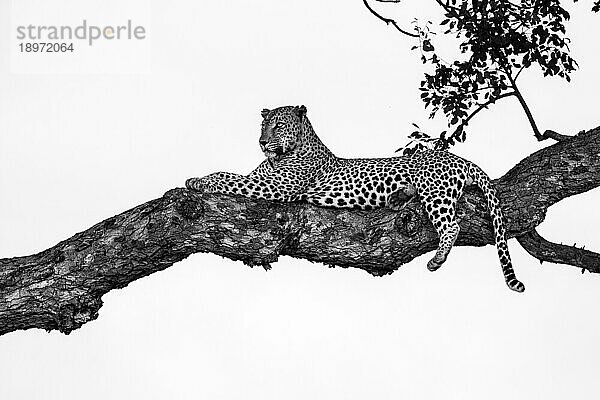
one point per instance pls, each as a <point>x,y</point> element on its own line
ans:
<point>299,167</point>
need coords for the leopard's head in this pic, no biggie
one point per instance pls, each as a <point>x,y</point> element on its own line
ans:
<point>281,131</point>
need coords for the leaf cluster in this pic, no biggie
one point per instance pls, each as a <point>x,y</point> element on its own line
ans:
<point>498,39</point>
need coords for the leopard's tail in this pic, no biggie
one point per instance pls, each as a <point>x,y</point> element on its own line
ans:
<point>481,179</point>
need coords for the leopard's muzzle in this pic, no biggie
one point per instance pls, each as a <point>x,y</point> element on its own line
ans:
<point>272,150</point>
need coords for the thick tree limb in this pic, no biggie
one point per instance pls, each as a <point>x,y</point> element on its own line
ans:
<point>545,250</point>
<point>61,288</point>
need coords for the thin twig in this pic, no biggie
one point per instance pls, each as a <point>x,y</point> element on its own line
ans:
<point>389,21</point>
<point>484,105</point>
<point>519,72</point>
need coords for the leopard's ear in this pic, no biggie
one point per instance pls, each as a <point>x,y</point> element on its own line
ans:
<point>265,112</point>
<point>300,111</point>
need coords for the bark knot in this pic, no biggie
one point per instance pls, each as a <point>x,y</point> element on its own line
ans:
<point>408,222</point>
<point>189,206</point>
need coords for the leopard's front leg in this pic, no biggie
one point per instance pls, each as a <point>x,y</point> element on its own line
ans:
<point>248,186</point>
<point>213,183</point>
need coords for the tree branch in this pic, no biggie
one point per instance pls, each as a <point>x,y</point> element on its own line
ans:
<point>545,250</point>
<point>61,288</point>
<point>548,134</point>
<point>482,106</point>
<point>389,21</point>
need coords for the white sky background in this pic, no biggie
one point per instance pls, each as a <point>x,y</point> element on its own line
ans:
<point>76,148</point>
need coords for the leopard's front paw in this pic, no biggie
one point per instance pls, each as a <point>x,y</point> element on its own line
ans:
<point>195,184</point>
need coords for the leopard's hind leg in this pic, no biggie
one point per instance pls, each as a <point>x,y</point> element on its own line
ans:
<point>440,207</point>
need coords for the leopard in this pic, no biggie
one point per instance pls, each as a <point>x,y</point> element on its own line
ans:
<point>299,168</point>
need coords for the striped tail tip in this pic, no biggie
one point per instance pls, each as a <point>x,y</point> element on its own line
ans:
<point>515,285</point>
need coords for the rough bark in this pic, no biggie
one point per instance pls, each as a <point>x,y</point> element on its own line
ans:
<point>61,288</point>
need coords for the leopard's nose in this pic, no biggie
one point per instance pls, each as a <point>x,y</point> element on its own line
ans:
<point>263,142</point>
